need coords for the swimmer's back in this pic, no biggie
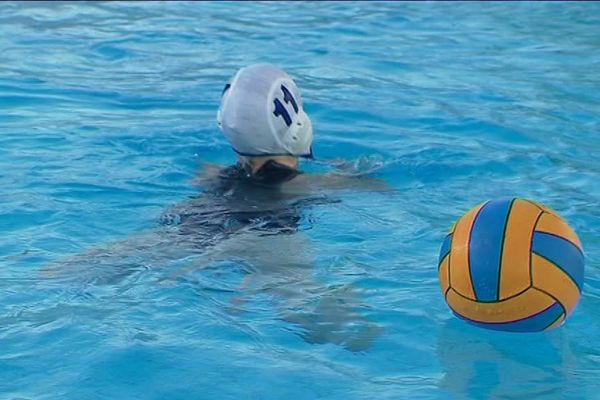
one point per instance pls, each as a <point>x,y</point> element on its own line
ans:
<point>234,199</point>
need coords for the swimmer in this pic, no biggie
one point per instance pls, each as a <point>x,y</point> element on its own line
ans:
<point>262,116</point>
<point>258,203</point>
<point>251,212</point>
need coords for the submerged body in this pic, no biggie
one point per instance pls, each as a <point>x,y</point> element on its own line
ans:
<point>236,198</point>
<point>255,221</point>
<point>268,201</point>
<point>252,214</point>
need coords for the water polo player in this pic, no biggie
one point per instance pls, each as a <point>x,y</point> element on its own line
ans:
<point>251,213</point>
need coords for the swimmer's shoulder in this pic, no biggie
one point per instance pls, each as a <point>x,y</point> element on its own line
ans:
<point>334,181</point>
<point>297,181</point>
<point>212,174</point>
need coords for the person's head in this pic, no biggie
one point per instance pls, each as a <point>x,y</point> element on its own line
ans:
<point>262,117</point>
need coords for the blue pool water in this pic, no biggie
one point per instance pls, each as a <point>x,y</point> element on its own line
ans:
<point>107,112</point>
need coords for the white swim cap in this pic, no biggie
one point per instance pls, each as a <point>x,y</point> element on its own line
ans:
<point>261,114</point>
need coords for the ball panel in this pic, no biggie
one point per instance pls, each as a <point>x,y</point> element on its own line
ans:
<point>552,280</point>
<point>445,249</point>
<point>560,252</point>
<point>516,251</point>
<point>557,323</point>
<point>555,225</point>
<point>485,248</point>
<point>460,277</point>
<point>548,318</point>
<point>444,274</point>
<point>451,231</point>
<point>525,305</point>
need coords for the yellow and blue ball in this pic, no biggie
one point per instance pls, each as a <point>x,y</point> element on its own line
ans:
<point>513,265</point>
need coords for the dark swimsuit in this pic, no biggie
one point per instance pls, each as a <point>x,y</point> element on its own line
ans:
<point>242,200</point>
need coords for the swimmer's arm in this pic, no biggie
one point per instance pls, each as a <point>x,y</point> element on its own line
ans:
<point>339,181</point>
<point>349,175</point>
